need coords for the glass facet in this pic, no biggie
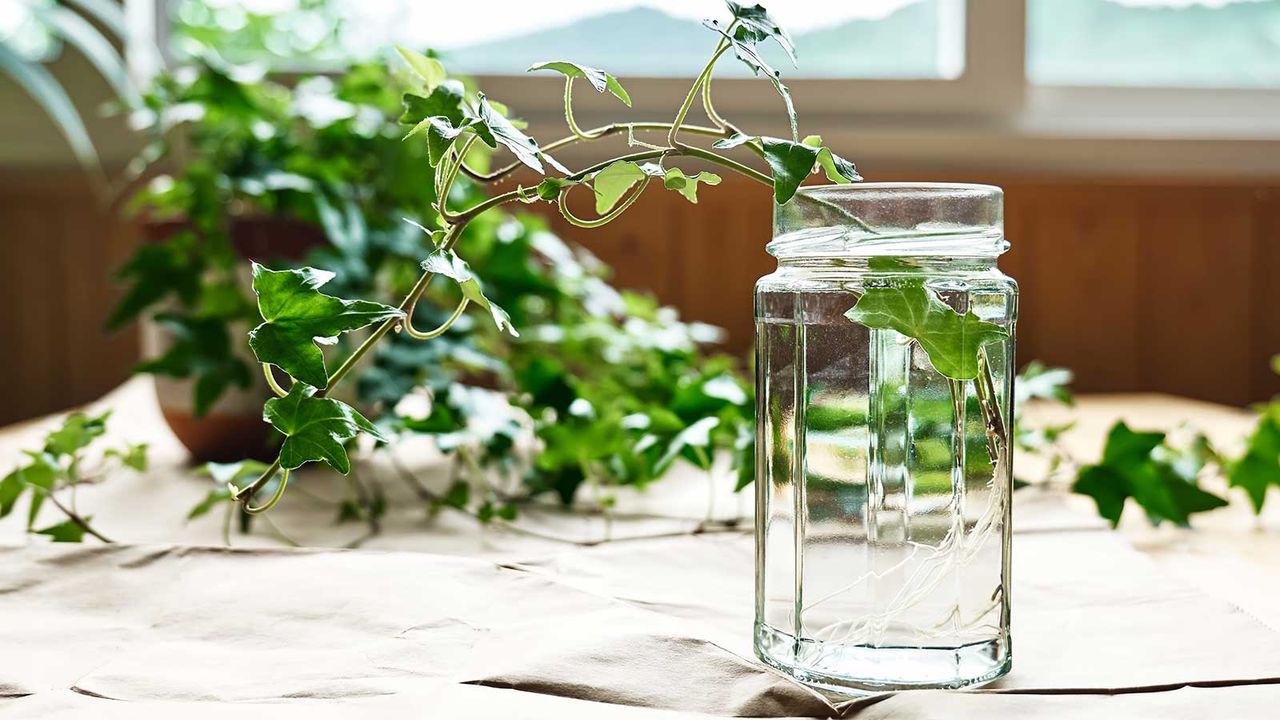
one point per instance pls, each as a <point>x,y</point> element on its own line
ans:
<point>882,518</point>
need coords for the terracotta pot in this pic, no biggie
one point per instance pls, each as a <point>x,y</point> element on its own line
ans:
<point>233,428</point>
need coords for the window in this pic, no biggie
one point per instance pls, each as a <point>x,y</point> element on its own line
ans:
<point>954,79</point>
<point>632,38</point>
<point>1154,43</point>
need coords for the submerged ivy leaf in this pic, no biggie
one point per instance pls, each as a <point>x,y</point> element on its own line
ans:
<point>296,314</point>
<point>1133,466</point>
<point>951,340</point>
<point>68,532</point>
<point>599,79</point>
<point>429,69</point>
<point>755,25</point>
<point>494,129</point>
<point>446,101</point>
<point>447,263</point>
<point>315,428</point>
<point>675,179</point>
<point>744,48</point>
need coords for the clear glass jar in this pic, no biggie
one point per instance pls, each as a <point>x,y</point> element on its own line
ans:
<point>882,486</point>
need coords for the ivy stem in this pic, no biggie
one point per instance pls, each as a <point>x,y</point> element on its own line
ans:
<point>284,482</point>
<point>442,191</point>
<point>607,217</point>
<point>593,134</point>
<point>74,517</point>
<point>703,77</point>
<point>568,112</point>
<point>726,162</point>
<point>407,326</point>
<point>985,388</point>
<point>271,381</point>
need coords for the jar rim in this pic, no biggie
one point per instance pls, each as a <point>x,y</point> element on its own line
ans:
<point>858,188</point>
<point>891,218</point>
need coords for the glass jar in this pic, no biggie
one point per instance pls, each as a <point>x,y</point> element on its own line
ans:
<point>882,484</point>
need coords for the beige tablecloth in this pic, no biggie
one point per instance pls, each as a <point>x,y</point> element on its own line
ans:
<point>441,618</point>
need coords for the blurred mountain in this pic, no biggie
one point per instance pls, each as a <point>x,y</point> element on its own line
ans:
<point>1070,41</point>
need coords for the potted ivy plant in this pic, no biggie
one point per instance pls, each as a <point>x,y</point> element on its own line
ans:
<point>335,182</point>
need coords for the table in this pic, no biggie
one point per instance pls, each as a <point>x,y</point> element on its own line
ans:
<point>439,617</point>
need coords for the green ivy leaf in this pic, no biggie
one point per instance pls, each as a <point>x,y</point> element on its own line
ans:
<point>65,532</point>
<point>447,263</point>
<point>951,340</point>
<point>792,162</point>
<point>1136,465</point>
<point>39,476</point>
<point>550,188</point>
<point>77,431</point>
<point>675,179</point>
<point>837,169</point>
<point>446,101</point>
<point>494,129</point>
<point>756,26</point>
<point>599,79</point>
<point>315,428</point>
<point>611,183</point>
<point>429,69</point>
<point>744,47</point>
<point>296,314</point>
<point>1260,466</point>
<point>133,456</point>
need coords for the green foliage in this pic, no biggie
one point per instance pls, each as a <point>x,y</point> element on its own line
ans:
<point>447,263</point>
<point>951,340</point>
<point>611,183</point>
<point>60,464</point>
<point>792,162</point>
<point>316,428</point>
<point>599,79</point>
<point>296,316</point>
<point>1259,467</point>
<point>744,40</point>
<point>675,179</point>
<point>200,348</point>
<point>494,129</point>
<point>1141,466</point>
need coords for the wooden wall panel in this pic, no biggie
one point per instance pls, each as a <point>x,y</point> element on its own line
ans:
<point>1136,285</point>
<point>57,249</point>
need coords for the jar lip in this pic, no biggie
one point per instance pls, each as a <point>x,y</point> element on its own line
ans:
<point>872,187</point>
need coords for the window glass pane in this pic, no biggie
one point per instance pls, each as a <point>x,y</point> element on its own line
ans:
<point>868,38</point>
<point>1171,43</point>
